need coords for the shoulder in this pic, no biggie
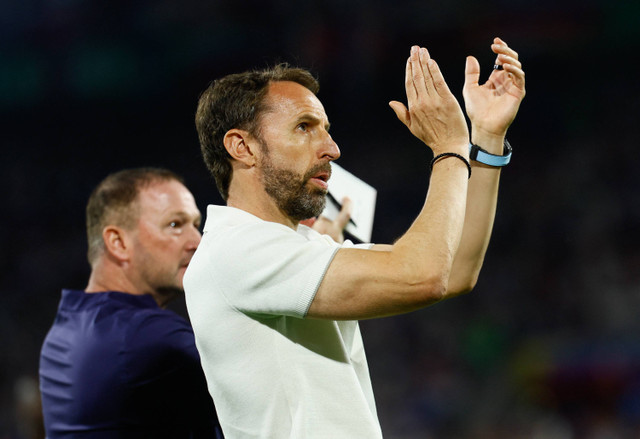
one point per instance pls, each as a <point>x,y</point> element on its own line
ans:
<point>232,235</point>
<point>256,266</point>
<point>156,332</point>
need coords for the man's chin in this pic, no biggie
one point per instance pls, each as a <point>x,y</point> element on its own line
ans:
<point>314,190</point>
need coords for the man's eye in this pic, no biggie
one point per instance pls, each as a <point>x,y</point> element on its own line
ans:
<point>174,224</point>
<point>303,126</point>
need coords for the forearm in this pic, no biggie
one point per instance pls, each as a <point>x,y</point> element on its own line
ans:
<point>427,249</point>
<point>482,197</point>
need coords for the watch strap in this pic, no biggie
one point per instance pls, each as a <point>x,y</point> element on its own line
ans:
<point>478,154</point>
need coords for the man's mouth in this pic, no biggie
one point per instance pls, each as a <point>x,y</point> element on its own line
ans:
<point>321,176</point>
<point>321,179</point>
<point>184,263</point>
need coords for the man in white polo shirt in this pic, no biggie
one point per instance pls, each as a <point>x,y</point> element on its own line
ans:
<point>274,304</point>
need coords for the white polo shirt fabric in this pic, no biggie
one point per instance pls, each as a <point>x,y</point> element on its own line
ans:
<point>272,372</point>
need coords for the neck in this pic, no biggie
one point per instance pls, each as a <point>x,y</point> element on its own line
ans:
<point>254,199</point>
<point>111,276</point>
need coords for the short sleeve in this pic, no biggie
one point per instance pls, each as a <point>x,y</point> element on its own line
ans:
<point>266,268</point>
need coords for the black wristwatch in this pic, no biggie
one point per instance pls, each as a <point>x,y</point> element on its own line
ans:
<point>480,155</point>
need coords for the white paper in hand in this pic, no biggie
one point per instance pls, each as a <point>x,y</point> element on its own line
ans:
<point>344,184</point>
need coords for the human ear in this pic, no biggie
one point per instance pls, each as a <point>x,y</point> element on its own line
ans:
<point>238,144</point>
<point>116,242</point>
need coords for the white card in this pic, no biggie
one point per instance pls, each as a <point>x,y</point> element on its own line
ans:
<point>345,184</point>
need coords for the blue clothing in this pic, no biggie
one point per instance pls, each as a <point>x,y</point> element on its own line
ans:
<point>115,365</point>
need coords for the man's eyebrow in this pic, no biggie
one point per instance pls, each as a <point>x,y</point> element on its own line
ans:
<point>184,215</point>
<point>313,118</point>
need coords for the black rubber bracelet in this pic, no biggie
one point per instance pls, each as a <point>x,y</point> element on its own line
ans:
<point>451,154</point>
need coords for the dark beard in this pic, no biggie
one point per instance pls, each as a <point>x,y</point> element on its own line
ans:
<point>290,192</point>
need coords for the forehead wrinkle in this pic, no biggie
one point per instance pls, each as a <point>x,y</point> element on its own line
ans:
<point>293,98</point>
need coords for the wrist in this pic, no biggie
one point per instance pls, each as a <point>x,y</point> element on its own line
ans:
<point>461,147</point>
<point>445,155</point>
<point>479,154</point>
<point>490,141</point>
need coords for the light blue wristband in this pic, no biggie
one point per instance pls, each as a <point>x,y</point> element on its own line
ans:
<point>480,155</point>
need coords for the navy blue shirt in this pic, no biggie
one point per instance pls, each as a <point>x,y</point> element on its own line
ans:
<point>116,365</point>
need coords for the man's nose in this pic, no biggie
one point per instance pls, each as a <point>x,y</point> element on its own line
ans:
<point>329,148</point>
<point>193,237</point>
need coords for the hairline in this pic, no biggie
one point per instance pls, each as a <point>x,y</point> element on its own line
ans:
<point>126,216</point>
<point>269,108</point>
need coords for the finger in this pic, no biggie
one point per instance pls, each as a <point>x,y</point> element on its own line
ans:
<point>345,213</point>
<point>506,59</point>
<point>500,47</point>
<point>418,73</point>
<point>424,65</point>
<point>408,81</point>
<point>439,84</point>
<point>401,111</point>
<point>516,74</point>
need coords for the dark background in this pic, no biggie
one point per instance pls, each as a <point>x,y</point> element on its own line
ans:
<point>547,344</point>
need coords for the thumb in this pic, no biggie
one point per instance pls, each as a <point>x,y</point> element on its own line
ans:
<point>345,213</point>
<point>401,112</point>
<point>471,72</point>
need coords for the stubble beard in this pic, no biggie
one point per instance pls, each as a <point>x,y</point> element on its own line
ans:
<point>290,190</point>
<point>166,285</point>
<point>166,288</point>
